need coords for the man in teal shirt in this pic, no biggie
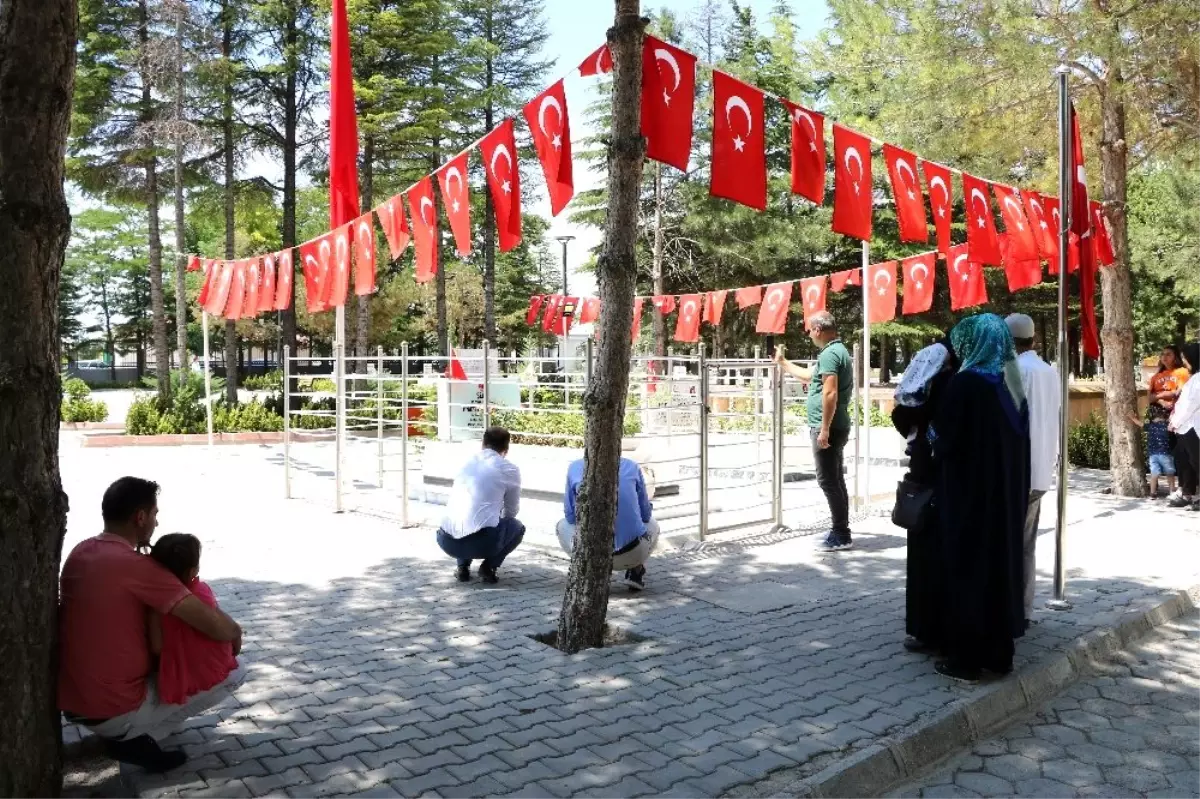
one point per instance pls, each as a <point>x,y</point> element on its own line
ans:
<point>828,419</point>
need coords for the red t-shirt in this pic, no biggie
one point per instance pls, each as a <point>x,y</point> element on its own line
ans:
<point>191,662</point>
<point>104,654</point>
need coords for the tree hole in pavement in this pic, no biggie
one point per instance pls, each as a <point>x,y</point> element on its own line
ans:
<point>613,636</point>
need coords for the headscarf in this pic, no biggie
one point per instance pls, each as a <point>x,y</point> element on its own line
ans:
<point>925,366</point>
<point>1191,351</point>
<point>984,344</point>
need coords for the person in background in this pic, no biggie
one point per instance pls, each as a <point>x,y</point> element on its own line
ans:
<point>1043,393</point>
<point>635,533</point>
<point>980,439</point>
<point>481,521</point>
<point>828,419</point>
<point>1185,424</point>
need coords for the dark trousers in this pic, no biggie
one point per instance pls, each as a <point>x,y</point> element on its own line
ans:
<point>831,479</point>
<point>491,544</point>
<point>1187,462</point>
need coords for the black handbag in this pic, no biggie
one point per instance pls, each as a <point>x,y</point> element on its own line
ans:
<point>914,503</point>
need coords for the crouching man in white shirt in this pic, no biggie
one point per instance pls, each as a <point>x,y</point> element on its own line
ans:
<point>481,518</point>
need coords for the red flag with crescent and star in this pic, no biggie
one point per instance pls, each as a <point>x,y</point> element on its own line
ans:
<point>739,157</point>
<point>394,224</point>
<point>881,302</point>
<point>343,123</point>
<point>981,222</point>
<point>284,274</point>
<point>334,290</point>
<point>687,326</point>
<point>424,225</point>
<point>668,100</point>
<point>1103,241</point>
<point>220,284</point>
<point>1022,243</point>
<point>808,152</point>
<point>504,180</point>
<point>1039,221</point>
<point>663,303</point>
<point>452,180</point>
<point>851,183</point>
<point>253,285</point>
<point>266,294</point>
<point>812,295</point>
<point>547,118</point>
<point>941,201</point>
<point>237,291</point>
<point>211,273</point>
<point>1021,272</point>
<point>847,277</point>
<point>193,264</point>
<point>918,274</point>
<point>1055,218</point>
<point>315,258</point>
<point>590,311</point>
<point>364,254</point>
<point>1081,228</point>
<point>772,315</point>
<point>554,303</point>
<point>748,296</point>
<point>967,286</point>
<point>535,305</point>
<point>598,63</point>
<point>714,306</point>
<point>906,192</point>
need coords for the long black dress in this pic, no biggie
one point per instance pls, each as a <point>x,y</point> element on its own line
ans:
<point>981,452</point>
<point>924,599</point>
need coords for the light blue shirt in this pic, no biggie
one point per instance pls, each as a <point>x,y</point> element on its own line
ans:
<point>633,504</point>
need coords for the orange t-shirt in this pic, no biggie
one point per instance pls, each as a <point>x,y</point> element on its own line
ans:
<point>1168,381</point>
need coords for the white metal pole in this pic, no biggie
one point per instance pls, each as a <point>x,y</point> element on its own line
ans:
<point>287,421</point>
<point>866,373</point>
<point>857,431</point>
<point>339,426</point>
<point>379,400</point>
<point>1060,602</point>
<point>404,434</point>
<point>207,378</point>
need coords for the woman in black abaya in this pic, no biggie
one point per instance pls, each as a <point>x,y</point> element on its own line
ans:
<point>980,439</point>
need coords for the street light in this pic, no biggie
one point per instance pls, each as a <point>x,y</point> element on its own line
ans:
<point>562,343</point>
<point>564,240</point>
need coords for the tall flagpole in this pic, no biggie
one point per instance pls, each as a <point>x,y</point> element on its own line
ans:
<point>207,377</point>
<point>1060,602</point>
<point>865,430</point>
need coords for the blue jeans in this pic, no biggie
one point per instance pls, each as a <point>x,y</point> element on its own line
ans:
<point>491,544</point>
<point>1161,463</point>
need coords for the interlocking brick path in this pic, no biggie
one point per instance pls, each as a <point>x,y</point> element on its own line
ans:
<point>372,671</point>
<point>1131,730</point>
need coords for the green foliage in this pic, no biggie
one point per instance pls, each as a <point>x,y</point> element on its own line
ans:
<point>248,417</point>
<point>1087,443</point>
<point>190,381</point>
<point>552,428</point>
<point>77,404</point>
<point>185,416</point>
<point>271,381</point>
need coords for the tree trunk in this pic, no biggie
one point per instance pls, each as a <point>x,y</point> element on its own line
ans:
<point>489,211</point>
<point>288,231</point>
<point>158,309</point>
<point>1120,382</point>
<point>181,302</point>
<point>231,348</point>
<point>37,67</point>
<point>362,333</point>
<point>659,322</point>
<point>585,601</point>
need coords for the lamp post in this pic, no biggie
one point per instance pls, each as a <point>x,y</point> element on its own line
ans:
<point>564,240</point>
<point>562,342</point>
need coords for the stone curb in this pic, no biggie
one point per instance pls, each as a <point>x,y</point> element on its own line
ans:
<point>898,759</point>
<point>176,440</point>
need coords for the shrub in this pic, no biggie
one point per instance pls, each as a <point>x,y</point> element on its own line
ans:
<point>77,404</point>
<point>251,417</point>
<point>143,418</point>
<point>181,380</point>
<point>1087,443</point>
<point>185,415</point>
<point>535,427</point>
<point>271,381</point>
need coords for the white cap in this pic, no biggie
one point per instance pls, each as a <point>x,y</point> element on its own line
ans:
<point>1020,325</point>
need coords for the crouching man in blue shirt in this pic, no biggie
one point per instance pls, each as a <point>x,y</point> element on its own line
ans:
<point>636,533</point>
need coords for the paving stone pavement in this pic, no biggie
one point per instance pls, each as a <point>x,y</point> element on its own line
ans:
<point>1133,729</point>
<point>370,670</point>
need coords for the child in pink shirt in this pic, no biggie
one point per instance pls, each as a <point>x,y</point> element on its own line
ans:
<point>189,662</point>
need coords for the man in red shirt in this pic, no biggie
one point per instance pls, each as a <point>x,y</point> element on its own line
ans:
<point>106,677</point>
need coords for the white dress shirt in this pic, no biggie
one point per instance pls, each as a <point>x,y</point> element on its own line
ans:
<point>486,489</point>
<point>1044,395</point>
<point>1186,415</point>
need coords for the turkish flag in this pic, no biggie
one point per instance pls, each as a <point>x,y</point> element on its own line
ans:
<point>687,327</point>
<point>881,302</point>
<point>812,294</point>
<point>967,286</point>
<point>1103,242</point>
<point>551,309</point>
<point>424,226</point>
<point>316,259</point>
<point>1054,218</point>
<point>668,100</point>
<point>919,274</point>
<point>535,305</point>
<point>1038,216</point>
<point>211,273</point>
<point>504,180</point>
<point>219,286</point>
<point>808,152</point>
<point>546,115</point>
<point>1022,244</point>
<point>335,288</point>
<point>237,291</point>
<point>941,201</point>
<point>748,296</point>
<point>739,156</point>
<point>598,63</point>
<point>253,284</point>
<point>193,264</point>
<point>663,303</point>
<point>266,294</point>
<point>851,183</point>
<point>772,316</point>
<point>1081,226</point>
<point>284,274</point>
<point>590,311</point>
<point>906,192</point>
<point>455,370</point>
<point>848,277</point>
<point>364,254</point>
<point>394,224</point>
<point>981,224</point>
<point>567,308</point>
<point>452,179</point>
<point>1021,272</point>
<point>343,123</point>
<point>636,327</point>
<point>714,306</point>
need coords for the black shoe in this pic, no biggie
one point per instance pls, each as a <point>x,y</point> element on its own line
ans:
<point>463,574</point>
<point>836,542</point>
<point>488,575</point>
<point>1180,502</point>
<point>918,646</point>
<point>957,672</point>
<point>145,752</point>
<point>635,578</point>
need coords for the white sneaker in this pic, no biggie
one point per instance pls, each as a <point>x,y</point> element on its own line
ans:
<point>1176,494</point>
